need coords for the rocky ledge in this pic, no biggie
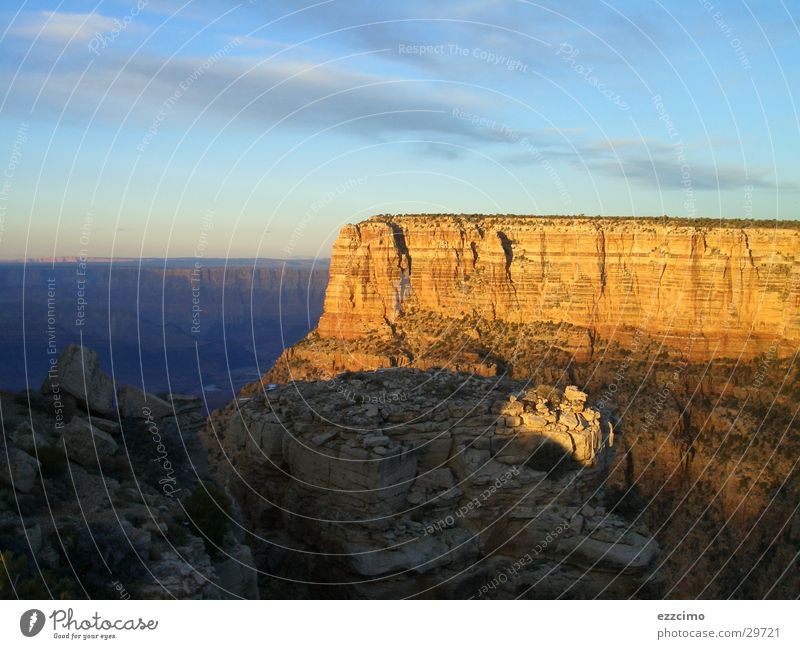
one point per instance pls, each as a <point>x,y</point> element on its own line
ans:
<point>404,483</point>
<point>105,493</point>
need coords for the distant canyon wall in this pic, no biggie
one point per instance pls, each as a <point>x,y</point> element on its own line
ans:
<point>155,319</point>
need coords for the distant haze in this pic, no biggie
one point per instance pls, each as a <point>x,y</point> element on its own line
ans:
<point>179,329</point>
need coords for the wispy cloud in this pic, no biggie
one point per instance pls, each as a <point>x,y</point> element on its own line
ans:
<point>520,30</point>
<point>64,27</point>
<point>243,89</point>
<point>659,171</point>
<point>650,163</point>
<point>299,89</point>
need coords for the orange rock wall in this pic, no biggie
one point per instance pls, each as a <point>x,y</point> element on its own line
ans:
<point>724,290</point>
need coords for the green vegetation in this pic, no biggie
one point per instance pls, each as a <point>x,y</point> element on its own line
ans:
<point>177,535</point>
<point>551,219</point>
<point>19,580</point>
<point>208,510</point>
<point>627,501</point>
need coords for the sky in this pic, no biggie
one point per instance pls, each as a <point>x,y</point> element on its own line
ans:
<point>258,128</point>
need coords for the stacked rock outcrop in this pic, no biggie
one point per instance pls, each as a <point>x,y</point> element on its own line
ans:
<point>531,430</point>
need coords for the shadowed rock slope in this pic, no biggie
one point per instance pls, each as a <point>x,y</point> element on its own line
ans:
<point>105,493</point>
<point>407,483</point>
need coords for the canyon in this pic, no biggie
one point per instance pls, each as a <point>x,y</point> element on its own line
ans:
<point>489,407</point>
<point>683,334</point>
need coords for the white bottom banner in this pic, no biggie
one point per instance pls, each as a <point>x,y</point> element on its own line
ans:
<point>388,624</point>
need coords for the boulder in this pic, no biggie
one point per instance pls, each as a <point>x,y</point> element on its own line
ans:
<point>136,404</point>
<point>375,440</point>
<point>420,555</point>
<point>33,535</point>
<point>512,408</point>
<point>28,439</point>
<point>569,419</point>
<point>19,470</point>
<point>85,443</point>
<point>631,554</point>
<point>572,393</point>
<point>238,575</point>
<point>107,425</point>
<point>534,422</point>
<point>78,373</point>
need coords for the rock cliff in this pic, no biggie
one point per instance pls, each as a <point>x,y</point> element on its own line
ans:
<point>721,288</point>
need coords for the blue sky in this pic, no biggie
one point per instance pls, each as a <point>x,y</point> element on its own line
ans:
<point>161,127</point>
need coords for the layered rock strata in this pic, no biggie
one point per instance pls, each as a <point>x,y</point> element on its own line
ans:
<point>721,288</point>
